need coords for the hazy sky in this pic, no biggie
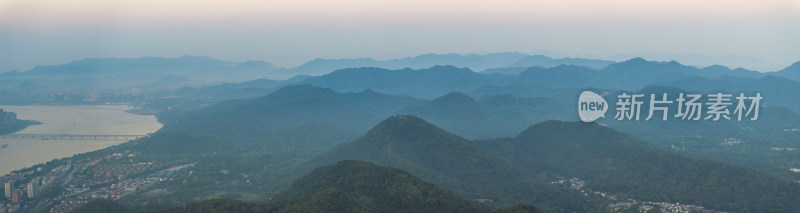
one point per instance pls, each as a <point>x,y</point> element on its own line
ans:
<point>756,34</point>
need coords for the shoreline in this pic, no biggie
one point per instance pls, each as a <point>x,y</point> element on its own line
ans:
<point>90,119</point>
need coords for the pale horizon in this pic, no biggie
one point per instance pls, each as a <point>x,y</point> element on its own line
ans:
<point>756,35</point>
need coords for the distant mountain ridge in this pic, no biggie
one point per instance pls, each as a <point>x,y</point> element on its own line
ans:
<point>207,69</point>
<point>791,72</point>
<point>631,74</point>
<point>544,61</point>
<point>84,81</point>
<point>424,83</point>
<point>475,62</point>
<point>436,81</point>
<point>149,72</point>
<point>195,71</point>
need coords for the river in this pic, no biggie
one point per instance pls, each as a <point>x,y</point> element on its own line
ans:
<point>73,120</point>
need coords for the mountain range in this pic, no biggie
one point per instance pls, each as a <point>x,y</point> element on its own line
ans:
<point>171,73</point>
<point>147,72</point>
<point>433,154</point>
<point>475,62</point>
<point>452,134</point>
<point>156,73</point>
<point>514,170</point>
<point>344,116</point>
<point>634,74</point>
<point>412,165</point>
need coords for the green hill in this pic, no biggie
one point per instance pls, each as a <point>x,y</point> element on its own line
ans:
<point>350,186</point>
<point>379,189</point>
<point>614,162</point>
<point>435,155</point>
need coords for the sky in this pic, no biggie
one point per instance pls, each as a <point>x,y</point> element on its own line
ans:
<point>754,34</point>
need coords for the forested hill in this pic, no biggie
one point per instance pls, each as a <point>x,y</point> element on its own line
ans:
<point>433,154</point>
<point>347,186</point>
<point>613,162</point>
<point>388,190</point>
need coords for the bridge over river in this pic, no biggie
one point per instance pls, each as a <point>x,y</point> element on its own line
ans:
<point>71,137</point>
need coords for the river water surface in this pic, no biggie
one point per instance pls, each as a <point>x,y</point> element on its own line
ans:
<point>72,120</point>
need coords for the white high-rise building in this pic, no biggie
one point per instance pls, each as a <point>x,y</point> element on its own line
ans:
<point>9,186</point>
<point>31,189</point>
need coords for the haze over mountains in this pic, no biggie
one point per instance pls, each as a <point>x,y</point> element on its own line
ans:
<point>200,81</point>
<point>476,132</point>
<point>148,72</point>
<point>437,81</point>
<point>155,73</point>
<point>151,72</point>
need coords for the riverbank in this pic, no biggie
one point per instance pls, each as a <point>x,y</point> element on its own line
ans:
<point>69,120</point>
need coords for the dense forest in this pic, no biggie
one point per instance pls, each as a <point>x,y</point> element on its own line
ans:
<point>347,186</point>
<point>501,172</point>
<point>614,162</point>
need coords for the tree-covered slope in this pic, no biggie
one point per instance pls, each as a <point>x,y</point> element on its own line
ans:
<point>381,189</point>
<point>614,162</point>
<point>287,108</point>
<point>435,155</point>
<point>347,186</point>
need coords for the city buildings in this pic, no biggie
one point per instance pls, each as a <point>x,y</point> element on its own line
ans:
<point>7,117</point>
<point>15,196</point>
<point>9,188</point>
